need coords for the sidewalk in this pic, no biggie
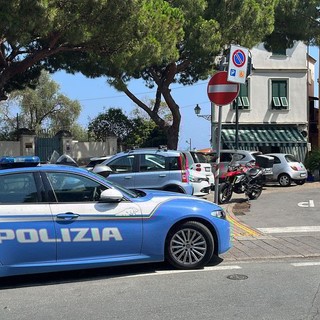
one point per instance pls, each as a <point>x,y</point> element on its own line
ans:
<point>251,244</point>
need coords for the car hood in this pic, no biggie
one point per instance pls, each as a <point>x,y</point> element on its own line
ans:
<point>158,196</point>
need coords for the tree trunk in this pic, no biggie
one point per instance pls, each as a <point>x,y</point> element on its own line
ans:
<point>173,137</point>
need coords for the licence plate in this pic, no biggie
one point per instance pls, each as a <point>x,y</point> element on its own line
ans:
<point>303,175</point>
<point>208,169</point>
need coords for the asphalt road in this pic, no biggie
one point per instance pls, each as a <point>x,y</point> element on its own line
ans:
<point>269,290</point>
<point>286,288</point>
<point>280,207</point>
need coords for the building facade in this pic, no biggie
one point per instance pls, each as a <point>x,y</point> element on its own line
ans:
<point>271,113</point>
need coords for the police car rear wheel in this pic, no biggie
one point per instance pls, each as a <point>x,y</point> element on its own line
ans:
<point>189,246</point>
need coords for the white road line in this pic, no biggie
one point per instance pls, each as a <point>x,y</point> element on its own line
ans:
<point>215,268</point>
<point>290,229</point>
<point>166,272</point>
<point>305,264</point>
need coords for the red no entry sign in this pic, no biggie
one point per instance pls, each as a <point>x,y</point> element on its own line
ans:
<point>220,90</point>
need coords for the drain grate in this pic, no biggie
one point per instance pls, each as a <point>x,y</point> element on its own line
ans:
<point>237,277</point>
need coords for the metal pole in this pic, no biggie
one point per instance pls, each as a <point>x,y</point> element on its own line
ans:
<point>213,128</point>
<point>318,124</point>
<point>237,125</point>
<point>217,171</point>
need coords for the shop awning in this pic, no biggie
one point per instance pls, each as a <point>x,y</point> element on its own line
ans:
<point>254,136</point>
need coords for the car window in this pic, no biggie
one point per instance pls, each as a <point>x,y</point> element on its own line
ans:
<point>177,163</point>
<point>151,162</point>
<point>189,158</point>
<point>237,157</point>
<point>225,157</point>
<point>276,160</point>
<point>122,165</point>
<point>74,188</point>
<point>199,157</point>
<point>289,158</point>
<point>92,163</point>
<point>18,188</point>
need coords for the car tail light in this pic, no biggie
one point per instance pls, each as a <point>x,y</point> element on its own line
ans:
<point>198,167</point>
<point>182,167</point>
<point>294,168</point>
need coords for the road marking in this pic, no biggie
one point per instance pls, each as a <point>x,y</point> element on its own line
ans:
<point>306,204</point>
<point>239,228</point>
<point>165,272</point>
<point>290,229</point>
<point>305,264</point>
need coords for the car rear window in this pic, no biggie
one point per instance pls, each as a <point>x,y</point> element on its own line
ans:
<point>290,158</point>
<point>199,157</point>
<point>177,163</point>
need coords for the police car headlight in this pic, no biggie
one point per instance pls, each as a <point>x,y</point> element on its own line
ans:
<point>219,214</point>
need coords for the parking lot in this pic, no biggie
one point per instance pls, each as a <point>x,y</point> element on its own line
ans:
<point>250,242</point>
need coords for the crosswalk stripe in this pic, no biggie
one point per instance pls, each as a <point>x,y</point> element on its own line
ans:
<point>290,229</point>
<point>305,264</point>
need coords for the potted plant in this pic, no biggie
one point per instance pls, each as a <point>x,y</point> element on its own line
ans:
<point>312,163</point>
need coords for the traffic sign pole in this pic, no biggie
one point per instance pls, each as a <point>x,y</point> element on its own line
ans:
<point>217,171</point>
<point>220,92</point>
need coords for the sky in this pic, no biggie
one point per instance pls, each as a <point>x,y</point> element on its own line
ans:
<point>96,96</point>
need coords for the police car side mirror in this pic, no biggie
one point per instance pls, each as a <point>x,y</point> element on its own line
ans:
<point>111,195</point>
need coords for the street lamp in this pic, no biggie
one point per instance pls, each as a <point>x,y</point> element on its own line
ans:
<point>197,111</point>
<point>209,117</point>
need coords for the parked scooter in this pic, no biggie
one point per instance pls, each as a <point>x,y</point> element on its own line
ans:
<point>246,179</point>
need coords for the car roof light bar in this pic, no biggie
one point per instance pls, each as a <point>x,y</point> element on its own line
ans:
<point>19,162</point>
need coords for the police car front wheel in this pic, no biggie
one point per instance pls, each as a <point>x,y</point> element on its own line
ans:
<point>189,246</point>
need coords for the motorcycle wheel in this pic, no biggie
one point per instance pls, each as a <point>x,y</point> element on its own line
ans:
<point>255,193</point>
<point>225,193</point>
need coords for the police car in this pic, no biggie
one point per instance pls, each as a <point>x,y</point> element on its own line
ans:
<point>56,217</point>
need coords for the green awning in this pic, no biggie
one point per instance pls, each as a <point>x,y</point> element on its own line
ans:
<point>254,136</point>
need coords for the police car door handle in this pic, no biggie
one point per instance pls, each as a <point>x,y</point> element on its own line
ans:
<point>67,216</point>
<point>128,177</point>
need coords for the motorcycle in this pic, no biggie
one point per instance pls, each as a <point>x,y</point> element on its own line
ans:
<point>246,179</point>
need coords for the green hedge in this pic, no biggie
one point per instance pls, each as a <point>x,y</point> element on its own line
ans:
<point>312,161</point>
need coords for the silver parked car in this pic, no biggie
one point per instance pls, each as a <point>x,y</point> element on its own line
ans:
<point>287,169</point>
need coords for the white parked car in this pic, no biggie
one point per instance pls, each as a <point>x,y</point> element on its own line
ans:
<point>198,164</point>
<point>200,183</point>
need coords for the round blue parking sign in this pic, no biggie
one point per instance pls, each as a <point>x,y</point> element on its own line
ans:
<point>239,58</point>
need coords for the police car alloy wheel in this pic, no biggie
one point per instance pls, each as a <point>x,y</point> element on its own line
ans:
<point>190,246</point>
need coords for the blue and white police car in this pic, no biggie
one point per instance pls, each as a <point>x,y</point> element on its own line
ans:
<point>56,217</point>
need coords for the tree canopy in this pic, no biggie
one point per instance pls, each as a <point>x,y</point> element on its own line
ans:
<point>41,108</point>
<point>57,34</point>
<point>161,42</point>
<point>134,131</point>
<point>209,26</point>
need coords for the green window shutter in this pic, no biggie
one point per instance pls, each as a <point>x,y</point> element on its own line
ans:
<point>279,94</point>
<point>243,90</point>
<point>284,102</point>
<point>276,103</point>
<point>245,102</point>
<point>243,99</point>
